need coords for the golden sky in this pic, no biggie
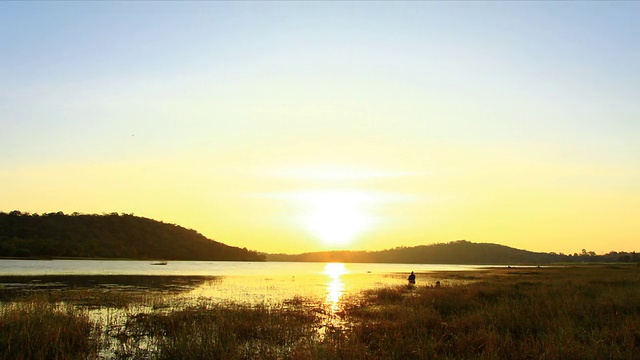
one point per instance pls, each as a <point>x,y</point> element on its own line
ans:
<point>295,127</point>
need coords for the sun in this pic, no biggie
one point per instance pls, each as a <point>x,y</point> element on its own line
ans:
<point>336,217</point>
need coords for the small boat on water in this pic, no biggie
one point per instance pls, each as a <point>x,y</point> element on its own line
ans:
<point>160,263</point>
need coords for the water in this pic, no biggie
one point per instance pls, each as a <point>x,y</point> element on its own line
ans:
<point>181,283</point>
<point>220,280</point>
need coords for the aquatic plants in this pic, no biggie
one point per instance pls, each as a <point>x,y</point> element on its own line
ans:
<point>41,330</point>
<point>557,313</point>
<point>218,331</point>
<point>586,312</point>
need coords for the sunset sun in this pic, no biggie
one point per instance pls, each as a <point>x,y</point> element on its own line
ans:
<point>336,217</point>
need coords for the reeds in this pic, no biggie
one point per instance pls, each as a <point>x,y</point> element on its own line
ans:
<point>42,330</point>
<point>590,312</point>
<point>568,313</point>
<point>219,331</point>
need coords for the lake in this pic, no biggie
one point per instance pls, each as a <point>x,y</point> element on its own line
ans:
<point>219,280</point>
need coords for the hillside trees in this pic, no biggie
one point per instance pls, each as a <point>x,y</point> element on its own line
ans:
<point>108,236</point>
<point>456,252</point>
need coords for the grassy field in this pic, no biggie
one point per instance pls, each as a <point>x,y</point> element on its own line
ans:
<point>573,312</point>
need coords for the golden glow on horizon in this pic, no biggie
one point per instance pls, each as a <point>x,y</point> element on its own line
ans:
<point>286,214</point>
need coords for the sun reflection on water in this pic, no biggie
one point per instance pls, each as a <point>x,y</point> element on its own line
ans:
<point>335,286</point>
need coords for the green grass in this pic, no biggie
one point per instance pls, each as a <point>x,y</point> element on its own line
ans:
<point>588,312</point>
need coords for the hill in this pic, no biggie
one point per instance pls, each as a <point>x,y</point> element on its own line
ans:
<point>456,252</point>
<point>108,236</point>
<point>126,236</point>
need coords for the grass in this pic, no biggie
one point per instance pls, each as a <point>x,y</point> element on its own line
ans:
<point>42,330</point>
<point>564,313</point>
<point>588,312</point>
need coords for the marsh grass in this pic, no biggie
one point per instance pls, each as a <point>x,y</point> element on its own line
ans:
<point>219,331</point>
<point>563,313</point>
<point>42,330</point>
<point>590,312</point>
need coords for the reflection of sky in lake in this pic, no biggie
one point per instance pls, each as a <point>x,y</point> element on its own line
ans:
<point>247,282</point>
<point>203,268</point>
<point>330,283</point>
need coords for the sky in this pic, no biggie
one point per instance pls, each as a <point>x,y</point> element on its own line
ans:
<point>290,127</point>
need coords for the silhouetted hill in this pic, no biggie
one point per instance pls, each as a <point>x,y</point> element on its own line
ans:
<point>108,236</point>
<point>457,252</point>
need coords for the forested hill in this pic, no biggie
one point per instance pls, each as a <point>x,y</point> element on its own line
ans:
<point>108,236</point>
<point>457,252</point>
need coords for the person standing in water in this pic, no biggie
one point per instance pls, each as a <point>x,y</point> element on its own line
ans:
<point>412,278</point>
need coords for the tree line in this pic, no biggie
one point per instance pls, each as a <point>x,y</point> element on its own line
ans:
<point>125,236</point>
<point>112,235</point>
<point>458,252</point>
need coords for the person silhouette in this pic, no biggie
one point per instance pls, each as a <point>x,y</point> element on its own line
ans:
<point>412,278</point>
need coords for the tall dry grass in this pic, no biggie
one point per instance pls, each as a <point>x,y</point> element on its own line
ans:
<point>219,331</point>
<point>590,312</point>
<point>42,330</point>
<point>566,313</point>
